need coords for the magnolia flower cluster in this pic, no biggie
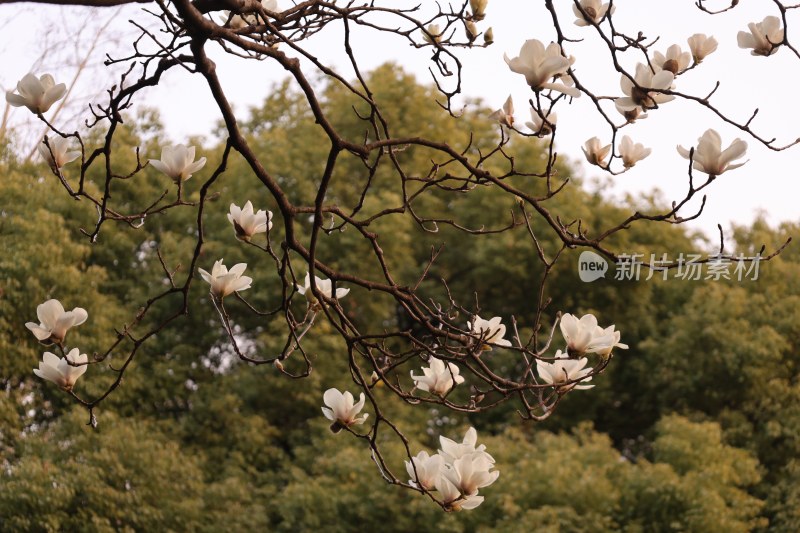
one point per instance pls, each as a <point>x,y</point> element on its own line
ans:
<point>583,336</point>
<point>456,472</point>
<point>54,322</point>
<point>433,33</point>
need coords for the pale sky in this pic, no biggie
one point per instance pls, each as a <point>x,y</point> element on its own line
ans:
<point>767,183</point>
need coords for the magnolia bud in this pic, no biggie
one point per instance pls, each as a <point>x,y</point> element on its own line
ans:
<point>478,8</point>
<point>488,36</point>
<point>472,30</point>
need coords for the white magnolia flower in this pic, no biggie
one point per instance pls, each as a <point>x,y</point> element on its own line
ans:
<point>492,331</point>
<point>341,409</point>
<point>61,155</point>
<point>59,371</point>
<point>710,158</point>
<point>563,370</point>
<point>478,8</point>
<point>452,497</point>
<point>645,96</point>
<point>178,162</point>
<point>438,378</point>
<point>539,126</point>
<point>505,116</point>
<point>701,46</point>
<point>223,281</point>
<point>37,94</point>
<point>539,65</point>
<point>238,22</point>
<point>764,38</point>
<point>675,60</point>
<point>594,9</point>
<point>246,223</point>
<point>470,473</point>
<point>54,322</point>
<point>631,115</point>
<point>605,340</point>
<point>452,450</point>
<point>631,153</point>
<point>434,34</point>
<point>323,285</point>
<point>585,336</point>
<point>429,468</point>
<point>596,153</point>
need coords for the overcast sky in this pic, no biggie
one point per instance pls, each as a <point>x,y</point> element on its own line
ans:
<point>767,183</point>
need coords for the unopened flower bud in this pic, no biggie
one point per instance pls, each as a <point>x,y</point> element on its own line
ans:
<point>471,30</point>
<point>478,8</point>
<point>488,36</point>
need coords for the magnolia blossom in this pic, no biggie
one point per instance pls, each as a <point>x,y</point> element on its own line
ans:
<point>429,468</point>
<point>438,378</point>
<point>631,153</point>
<point>61,155</point>
<point>59,371</point>
<point>246,223</point>
<point>709,157</point>
<point>478,8</point>
<point>764,37</point>
<point>505,116</point>
<point>492,331</point>
<point>456,472</point>
<point>433,35</point>
<point>563,370</point>
<point>605,340</point>
<point>178,162</point>
<point>223,281</point>
<point>539,126</point>
<point>37,94</point>
<point>675,60</point>
<point>341,409</point>
<point>585,336</point>
<point>700,45</point>
<point>452,497</point>
<point>55,322</point>
<point>594,9</point>
<point>631,115</point>
<point>238,22</point>
<point>324,286</point>
<point>488,36</point>
<point>645,96</point>
<point>470,473</point>
<point>452,450</point>
<point>595,153</point>
<point>539,65</point>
